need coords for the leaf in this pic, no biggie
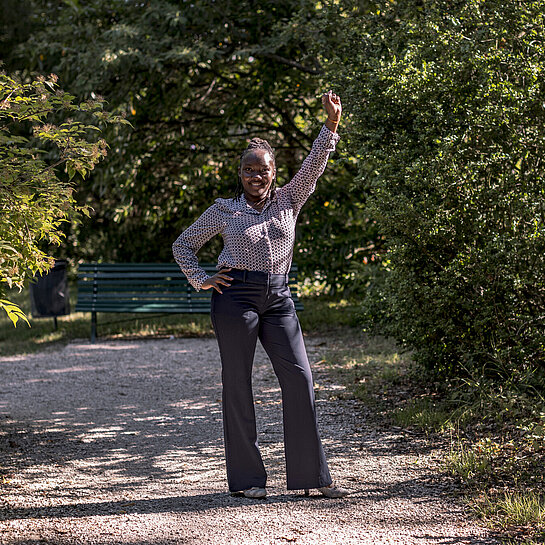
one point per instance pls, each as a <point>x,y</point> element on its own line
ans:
<point>4,246</point>
<point>14,312</point>
<point>70,170</point>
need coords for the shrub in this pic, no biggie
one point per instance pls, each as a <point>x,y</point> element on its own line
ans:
<point>448,121</point>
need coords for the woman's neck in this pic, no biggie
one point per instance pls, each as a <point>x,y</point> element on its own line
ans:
<point>257,204</point>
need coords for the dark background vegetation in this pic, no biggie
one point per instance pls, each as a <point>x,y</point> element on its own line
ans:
<point>196,81</point>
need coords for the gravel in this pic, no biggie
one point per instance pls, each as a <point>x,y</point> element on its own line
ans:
<point>121,442</point>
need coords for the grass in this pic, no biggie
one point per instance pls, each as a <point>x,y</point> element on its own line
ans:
<point>321,315</point>
<point>495,435</point>
<point>514,509</point>
<point>424,413</point>
<point>469,462</point>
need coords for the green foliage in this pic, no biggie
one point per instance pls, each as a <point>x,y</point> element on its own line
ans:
<point>424,414</point>
<point>196,80</point>
<point>13,312</point>
<point>470,463</point>
<point>34,202</point>
<point>448,119</point>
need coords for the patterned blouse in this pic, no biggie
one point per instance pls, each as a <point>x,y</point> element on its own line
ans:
<point>255,240</point>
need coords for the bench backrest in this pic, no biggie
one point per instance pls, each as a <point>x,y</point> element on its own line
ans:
<point>145,287</point>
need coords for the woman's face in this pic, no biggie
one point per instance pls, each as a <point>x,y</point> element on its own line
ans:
<point>257,173</point>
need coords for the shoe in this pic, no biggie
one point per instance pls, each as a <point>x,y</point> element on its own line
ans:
<point>255,493</point>
<point>331,491</point>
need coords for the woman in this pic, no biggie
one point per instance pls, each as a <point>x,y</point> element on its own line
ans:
<point>251,300</point>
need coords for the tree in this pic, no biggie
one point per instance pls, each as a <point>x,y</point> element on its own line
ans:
<point>35,199</point>
<point>448,106</point>
<point>196,80</point>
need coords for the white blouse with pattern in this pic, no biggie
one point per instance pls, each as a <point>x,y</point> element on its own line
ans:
<point>255,240</point>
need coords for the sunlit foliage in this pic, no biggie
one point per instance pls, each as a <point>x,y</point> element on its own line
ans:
<point>38,138</point>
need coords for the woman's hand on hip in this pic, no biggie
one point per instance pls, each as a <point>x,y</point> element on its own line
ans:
<point>220,278</point>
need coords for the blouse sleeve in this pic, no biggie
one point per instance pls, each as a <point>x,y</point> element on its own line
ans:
<point>186,246</point>
<point>300,187</point>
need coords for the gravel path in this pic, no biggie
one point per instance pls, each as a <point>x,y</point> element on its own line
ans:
<point>121,442</point>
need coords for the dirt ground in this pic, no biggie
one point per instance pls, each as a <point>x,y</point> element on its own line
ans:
<point>120,442</point>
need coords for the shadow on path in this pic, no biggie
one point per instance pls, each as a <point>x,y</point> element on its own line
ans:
<point>118,430</point>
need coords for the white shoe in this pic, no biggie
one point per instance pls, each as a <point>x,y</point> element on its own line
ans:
<point>331,491</point>
<point>255,493</point>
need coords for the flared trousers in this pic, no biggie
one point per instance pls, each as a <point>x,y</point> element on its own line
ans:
<point>259,305</point>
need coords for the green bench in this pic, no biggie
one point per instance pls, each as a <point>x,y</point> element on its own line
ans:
<point>144,287</point>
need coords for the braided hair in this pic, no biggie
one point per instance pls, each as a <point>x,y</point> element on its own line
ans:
<point>256,143</point>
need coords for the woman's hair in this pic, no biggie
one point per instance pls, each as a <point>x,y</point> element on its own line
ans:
<point>256,143</point>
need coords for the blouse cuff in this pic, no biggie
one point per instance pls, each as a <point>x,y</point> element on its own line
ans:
<point>326,140</point>
<point>198,281</point>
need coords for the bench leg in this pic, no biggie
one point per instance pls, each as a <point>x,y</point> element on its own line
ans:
<point>93,327</point>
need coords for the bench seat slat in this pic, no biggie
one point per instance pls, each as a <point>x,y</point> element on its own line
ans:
<point>143,307</point>
<point>142,267</point>
<point>174,309</point>
<point>178,288</point>
<point>159,297</point>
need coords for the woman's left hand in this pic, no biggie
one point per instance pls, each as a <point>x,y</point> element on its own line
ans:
<point>332,106</point>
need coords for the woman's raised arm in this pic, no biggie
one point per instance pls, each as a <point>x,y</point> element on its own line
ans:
<point>303,183</point>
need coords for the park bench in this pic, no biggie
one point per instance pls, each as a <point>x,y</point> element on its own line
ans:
<point>144,287</point>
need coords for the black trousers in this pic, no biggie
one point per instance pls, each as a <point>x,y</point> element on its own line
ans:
<point>259,305</point>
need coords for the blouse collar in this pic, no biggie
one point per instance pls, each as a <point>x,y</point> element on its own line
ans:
<point>242,205</point>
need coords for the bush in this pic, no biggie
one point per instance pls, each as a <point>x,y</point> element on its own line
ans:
<point>448,115</point>
<point>35,198</point>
